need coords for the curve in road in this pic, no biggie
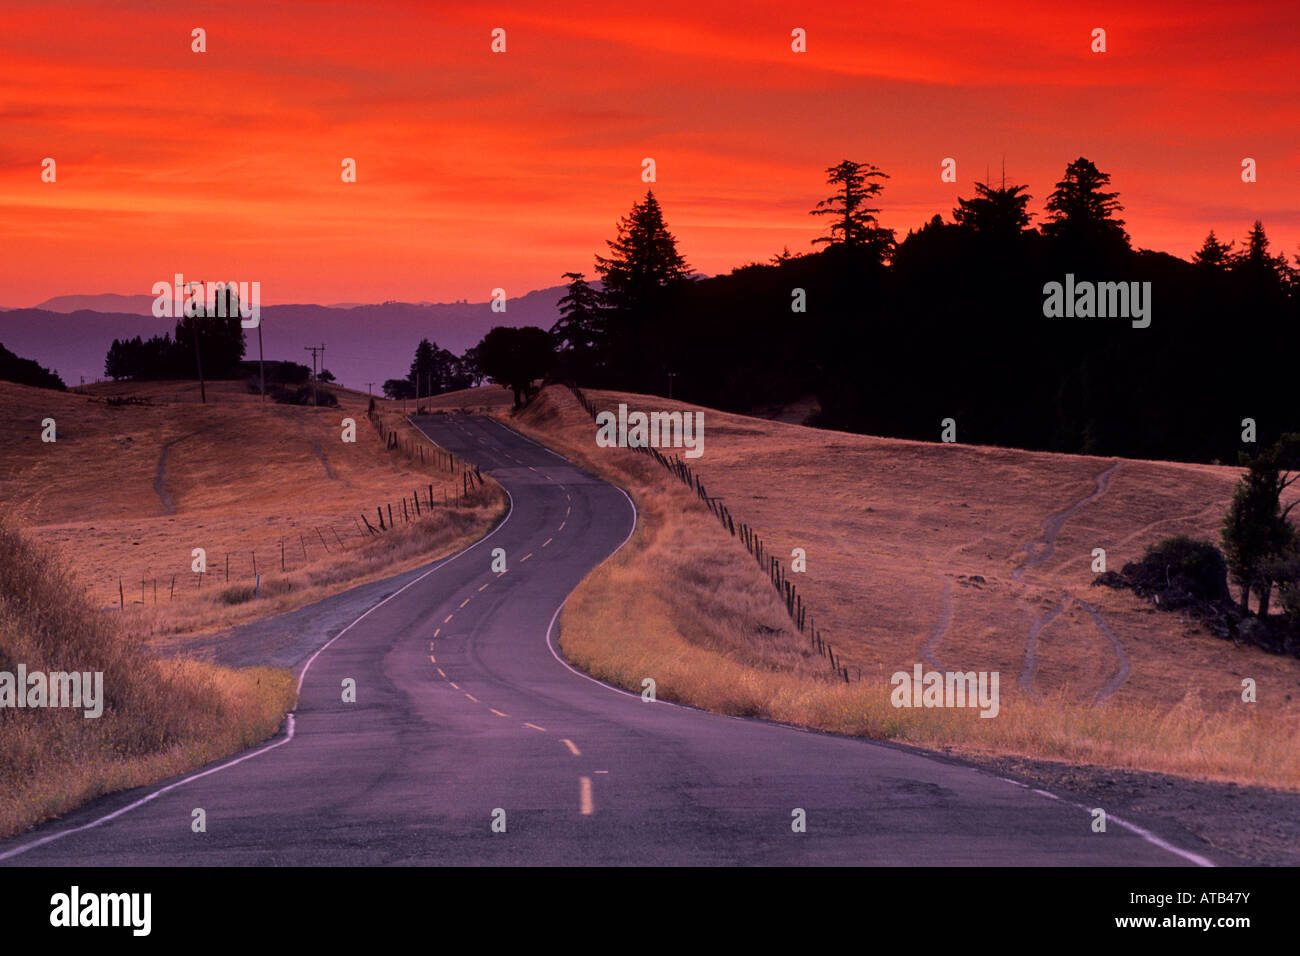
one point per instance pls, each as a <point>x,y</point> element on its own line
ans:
<point>465,717</point>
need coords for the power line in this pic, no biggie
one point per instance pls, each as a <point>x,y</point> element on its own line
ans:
<point>313,349</point>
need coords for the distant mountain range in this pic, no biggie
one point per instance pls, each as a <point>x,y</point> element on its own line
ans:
<point>70,334</point>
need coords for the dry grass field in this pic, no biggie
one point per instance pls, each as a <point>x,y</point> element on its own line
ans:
<point>139,476</point>
<point>128,491</point>
<point>159,718</point>
<point>952,556</point>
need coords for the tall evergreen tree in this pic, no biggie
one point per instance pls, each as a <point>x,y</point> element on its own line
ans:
<point>1257,537</point>
<point>435,370</point>
<point>1081,213</point>
<point>579,330</point>
<point>644,260</point>
<point>1258,264</point>
<point>422,367</point>
<point>996,213</point>
<point>640,276</point>
<point>1214,254</point>
<point>220,336</point>
<point>854,224</point>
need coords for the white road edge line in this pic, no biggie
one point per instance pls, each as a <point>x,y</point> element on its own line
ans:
<point>289,730</point>
<point>145,799</point>
<point>550,645</point>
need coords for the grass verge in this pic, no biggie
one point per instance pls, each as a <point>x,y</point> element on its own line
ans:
<point>160,718</point>
<point>684,604</point>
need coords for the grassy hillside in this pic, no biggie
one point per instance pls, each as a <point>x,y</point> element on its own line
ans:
<point>140,476</point>
<point>159,718</point>
<point>935,554</point>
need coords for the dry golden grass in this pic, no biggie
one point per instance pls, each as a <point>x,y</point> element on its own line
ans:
<point>240,478</point>
<point>244,480</point>
<point>890,528</point>
<point>159,718</point>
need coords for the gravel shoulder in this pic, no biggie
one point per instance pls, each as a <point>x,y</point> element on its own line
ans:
<point>1256,826</point>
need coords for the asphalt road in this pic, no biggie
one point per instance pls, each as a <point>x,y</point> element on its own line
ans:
<point>464,714</point>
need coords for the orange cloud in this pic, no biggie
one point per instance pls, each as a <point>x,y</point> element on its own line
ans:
<point>479,170</point>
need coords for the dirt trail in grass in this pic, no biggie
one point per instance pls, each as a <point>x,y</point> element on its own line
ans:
<point>1029,669</point>
<point>1040,549</point>
<point>320,453</point>
<point>1122,666</point>
<point>160,474</point>
<point>160,477</point>
<point>945,617</point>
<point>1037,552</point>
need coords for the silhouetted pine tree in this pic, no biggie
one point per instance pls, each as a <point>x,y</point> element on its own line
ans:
<point>579,329</point>
<point>1214,254</point>
<point>995,213</point>
<point>1082,214</point>
<point>854,225</point>
<point>638,277</point>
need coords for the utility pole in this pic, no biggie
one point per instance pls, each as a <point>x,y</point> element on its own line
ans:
<point>671,376</point>
<point>313,349</point>
<point>370,388</point>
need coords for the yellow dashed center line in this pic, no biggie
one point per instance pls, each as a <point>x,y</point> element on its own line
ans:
<point>562,524</point>
<point>433,659</point>
<point>535,727</point>
<point>464,602</point>
<point>567,511</point>
<point>453,685</point>
<point>573,749</point>
<point>437,631</point>
<point>485,585</point>
<point>525,557</point>
<point>441,674</point>
<point>472,697</point>
<point>448,617</point>
<point>497,712</point>
<point>584,796</point>
<point>547,541</point>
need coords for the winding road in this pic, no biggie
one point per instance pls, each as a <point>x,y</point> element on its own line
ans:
<point>466,715</point>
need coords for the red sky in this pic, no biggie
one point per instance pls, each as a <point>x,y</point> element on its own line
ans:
<point>479,170</point>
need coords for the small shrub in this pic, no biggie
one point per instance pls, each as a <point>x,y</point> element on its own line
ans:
<point>239,594</point>
<point>1180,571</point>
<point>302,395</point>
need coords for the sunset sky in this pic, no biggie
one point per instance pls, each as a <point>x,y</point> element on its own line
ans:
<point>478,170</point>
